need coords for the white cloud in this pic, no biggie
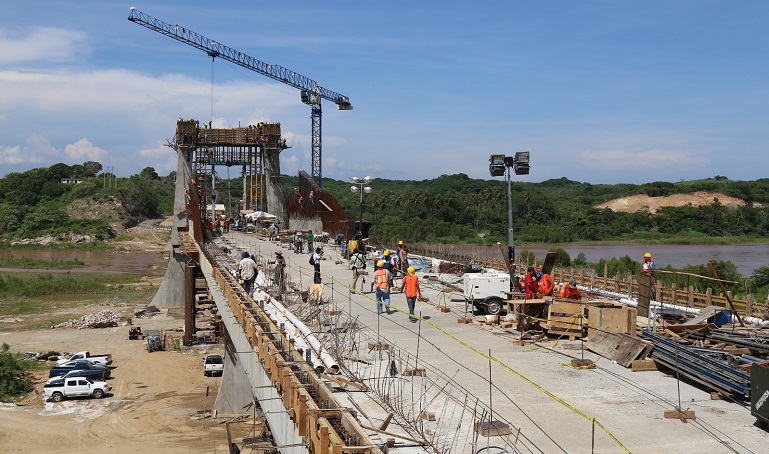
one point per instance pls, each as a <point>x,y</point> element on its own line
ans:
<point>42,44</point>
<point>161,158</point>
<point>83,150</point>
<point>648,159</point>
<point>36,150</point>
<point>12,156</point>
<point>127,112</point>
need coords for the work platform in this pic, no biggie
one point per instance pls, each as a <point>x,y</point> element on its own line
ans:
<point>546,405</point>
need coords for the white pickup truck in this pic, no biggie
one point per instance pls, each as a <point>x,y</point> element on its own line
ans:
<point>104,360</point>
<point>57,390</point>
<point>213,365</point>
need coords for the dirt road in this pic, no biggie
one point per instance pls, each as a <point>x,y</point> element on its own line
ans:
<point>154,406</point>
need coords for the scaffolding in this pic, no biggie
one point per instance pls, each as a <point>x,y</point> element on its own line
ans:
<point>254,149</point>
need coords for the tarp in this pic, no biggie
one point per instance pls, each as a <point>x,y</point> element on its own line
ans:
<point>261,216</point>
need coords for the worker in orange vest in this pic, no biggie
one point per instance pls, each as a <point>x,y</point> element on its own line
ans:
<point>382,282</point>
<point>546,284</point>
<point>570,290</point>
<point>411,285</point>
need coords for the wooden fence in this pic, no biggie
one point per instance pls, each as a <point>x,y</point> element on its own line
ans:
<point>746,305</point>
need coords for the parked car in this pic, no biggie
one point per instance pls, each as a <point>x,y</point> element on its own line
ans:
<point>93,375</point>
<point>80,364</point>
<point>213,365</point>
<point>75,386</point>
<point>105,360</point>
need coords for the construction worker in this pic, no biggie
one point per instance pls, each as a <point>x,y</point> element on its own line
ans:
<point>382,282</point>
<point>280,276</point>
<point>570,290</point>
<point>403,256</point>
<point>530,284</point>
<point>358,265</point>
<point>648,267</point>
<point>390,264</point>
<point>411,285</point>
<point>247,271</point>
<point>310,240</point>
<point>545,283</point>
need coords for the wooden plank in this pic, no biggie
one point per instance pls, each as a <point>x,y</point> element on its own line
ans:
<point>704,315</point>
<point>547,266</point>
<point>704,327</point>
<point>642,365</point>
<point>618,347</point>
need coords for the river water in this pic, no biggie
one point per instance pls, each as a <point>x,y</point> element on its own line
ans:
<point>100,261</point>
<point>747,257</point>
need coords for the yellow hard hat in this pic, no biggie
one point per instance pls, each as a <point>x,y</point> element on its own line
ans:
<point>411,270</point>
<point>386,252</point>
<point>648,255</point>
<point>380,264</point>
<point>400,242</point>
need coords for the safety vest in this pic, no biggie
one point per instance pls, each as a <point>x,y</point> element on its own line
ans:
<point>381,279</point>
<point>411,285</point>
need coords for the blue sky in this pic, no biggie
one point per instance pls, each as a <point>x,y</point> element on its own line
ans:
<point>597,91</point>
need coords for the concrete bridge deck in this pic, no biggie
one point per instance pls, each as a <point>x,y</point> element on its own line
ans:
<point>433,378</point>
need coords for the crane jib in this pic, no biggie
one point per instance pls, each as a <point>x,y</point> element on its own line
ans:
<point>216,49</point>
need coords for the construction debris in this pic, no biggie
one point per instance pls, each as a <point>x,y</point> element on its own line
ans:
<point>101,319</point>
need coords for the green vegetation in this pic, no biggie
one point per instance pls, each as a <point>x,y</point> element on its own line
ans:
<point>30,263</point>
<point>35,285</point>
<point>15,380</point>
<point>456,209</point>
<point>37,203</point>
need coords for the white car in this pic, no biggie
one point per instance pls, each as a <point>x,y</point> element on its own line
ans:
<point>213,365</point>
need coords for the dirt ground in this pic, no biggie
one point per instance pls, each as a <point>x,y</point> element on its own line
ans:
<point>156,402</point>
<point>640,202</point>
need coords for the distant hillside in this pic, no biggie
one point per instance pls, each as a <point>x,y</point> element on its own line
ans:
<point>73,204</point>
<point>451,209</point>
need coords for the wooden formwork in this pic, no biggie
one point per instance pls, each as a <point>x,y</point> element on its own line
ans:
<point>312,422</point>
<point>565,318</point>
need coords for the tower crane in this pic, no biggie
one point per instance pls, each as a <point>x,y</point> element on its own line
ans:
<point>311,92</point>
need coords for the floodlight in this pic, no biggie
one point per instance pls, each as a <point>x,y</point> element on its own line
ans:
<point>521,163</point>
<point>497,165</point>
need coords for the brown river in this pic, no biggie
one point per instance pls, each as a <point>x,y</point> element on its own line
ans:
<point>747,257</point>
<point>136,263</point>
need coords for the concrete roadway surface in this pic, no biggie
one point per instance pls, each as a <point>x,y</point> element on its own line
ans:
<point>534,386</point>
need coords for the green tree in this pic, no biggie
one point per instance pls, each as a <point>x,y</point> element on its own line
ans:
<point>148,173</point>
<point>14,379</point>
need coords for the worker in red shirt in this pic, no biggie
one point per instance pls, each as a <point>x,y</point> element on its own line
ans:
<point>530,284</point>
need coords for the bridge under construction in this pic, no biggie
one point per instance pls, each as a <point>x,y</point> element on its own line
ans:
<point>326,373</point>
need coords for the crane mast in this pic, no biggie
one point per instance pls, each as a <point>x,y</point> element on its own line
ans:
<point>311,92</point>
